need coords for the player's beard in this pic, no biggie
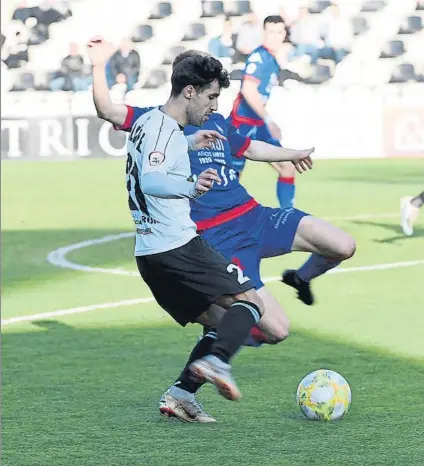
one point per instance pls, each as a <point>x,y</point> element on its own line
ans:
<point>195,117</point>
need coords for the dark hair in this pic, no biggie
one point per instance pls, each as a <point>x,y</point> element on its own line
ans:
<point>273,19</point>
<point>199,72</point>
<point>188,54</point>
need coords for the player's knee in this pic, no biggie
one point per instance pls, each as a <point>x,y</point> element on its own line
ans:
<point>347,248</point>
<point>279,332</point>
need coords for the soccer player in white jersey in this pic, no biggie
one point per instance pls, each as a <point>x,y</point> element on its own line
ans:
<point>188,278</point>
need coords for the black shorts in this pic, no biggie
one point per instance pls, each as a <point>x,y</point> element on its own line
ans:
<point>187,280</point>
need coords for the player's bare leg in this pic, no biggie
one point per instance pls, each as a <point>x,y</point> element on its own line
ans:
<point>410,207</point>
<point>274,326</point>
<point>329,246</point>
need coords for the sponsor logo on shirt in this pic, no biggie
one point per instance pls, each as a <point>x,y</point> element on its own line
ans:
<point>251,68</point>
<point>255,58</point>
<point>143,231</point>
<point>156,158</point>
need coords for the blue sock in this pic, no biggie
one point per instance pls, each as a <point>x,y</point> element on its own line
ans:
<point>315,266</point>
<point>285,192</point>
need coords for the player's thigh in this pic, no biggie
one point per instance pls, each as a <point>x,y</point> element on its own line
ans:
<point>274,323</point>
<point>320,237</point>
<point>183,303</point>
<point>279,229</point>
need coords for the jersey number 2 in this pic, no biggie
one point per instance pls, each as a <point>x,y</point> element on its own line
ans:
<point>240,277</point>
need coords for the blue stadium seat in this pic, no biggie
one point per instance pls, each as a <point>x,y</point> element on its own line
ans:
<point>373,5</point>
<point>171,54</point>
<point>236,75</point>
<point>24,81</point>
<point>411,25</point>
<point>195,31</point>
<point>394,48</point>
<point>320,75</point>
<point>212,9</point>
<point>156,78</point>
<point>360,25</point>
<point>403,73</point>
<point>239,8</point>
<point>161,10</point>
<point>318,6</point>
<point>142,33</point>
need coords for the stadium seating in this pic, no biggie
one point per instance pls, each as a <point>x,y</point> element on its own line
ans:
<point>394,48</point>
<point>403,73</point>
<point>156,78</point>
<point>319,6</point>
<point>238,8</point>
<point>171,54</point>
<point>212,9</point>
<point>373,5</point>
<point>161,10</point>
<point>161,30</point>
<point>195,31</point>
<point>360,25</point>
<point>411,25</point>
<point>142,33</point>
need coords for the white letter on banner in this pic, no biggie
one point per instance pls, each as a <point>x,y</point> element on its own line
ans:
<point>50,132</point>
<point>14,126</point>
<point>82,137</point>
<point>105,144</point>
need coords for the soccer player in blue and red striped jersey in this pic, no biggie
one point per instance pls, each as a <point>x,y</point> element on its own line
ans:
<point>249,113</point>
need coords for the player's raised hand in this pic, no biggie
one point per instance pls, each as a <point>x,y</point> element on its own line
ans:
<point>204,138</point>
<point>206,180</point>
<point>302,160</point>
<point>99,50</point>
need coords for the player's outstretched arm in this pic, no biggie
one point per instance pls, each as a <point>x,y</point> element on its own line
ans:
<point>264,152</point>
<point>158,184</point>
<point>99,52</point>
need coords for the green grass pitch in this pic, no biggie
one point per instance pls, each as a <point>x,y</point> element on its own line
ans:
<point>82,389</point>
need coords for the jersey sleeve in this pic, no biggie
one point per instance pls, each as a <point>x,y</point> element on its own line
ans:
<point>133,114</point>
<point>163,150</point>
<point>255,67</point>
<point>238,143</point>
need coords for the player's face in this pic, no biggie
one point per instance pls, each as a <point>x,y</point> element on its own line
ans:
<point>202,104</point>
<point>274,35</point>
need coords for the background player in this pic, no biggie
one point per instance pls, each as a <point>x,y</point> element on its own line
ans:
<point>249,114</point>
<point>409,208</point>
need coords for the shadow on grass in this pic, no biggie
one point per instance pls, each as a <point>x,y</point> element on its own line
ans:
<point>89,397</point>
<point>398,237</point>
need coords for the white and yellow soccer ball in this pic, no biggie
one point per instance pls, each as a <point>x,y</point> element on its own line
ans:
<point>324,395</point>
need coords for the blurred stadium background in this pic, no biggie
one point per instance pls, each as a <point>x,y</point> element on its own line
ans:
<point>356,67</point>
<point>86,351</point>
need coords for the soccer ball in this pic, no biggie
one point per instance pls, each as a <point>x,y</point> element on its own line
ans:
<point>324,395</point>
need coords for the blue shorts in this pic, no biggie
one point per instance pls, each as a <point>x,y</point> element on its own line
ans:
<point>262,232</point>
<point>257,133</point>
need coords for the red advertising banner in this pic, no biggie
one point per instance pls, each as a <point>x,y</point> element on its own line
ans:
<point>403,131</point>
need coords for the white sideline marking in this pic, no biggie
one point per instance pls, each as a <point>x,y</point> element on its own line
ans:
<point>131,302</point>
<point>76,310</point>
<point>58,256</point>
